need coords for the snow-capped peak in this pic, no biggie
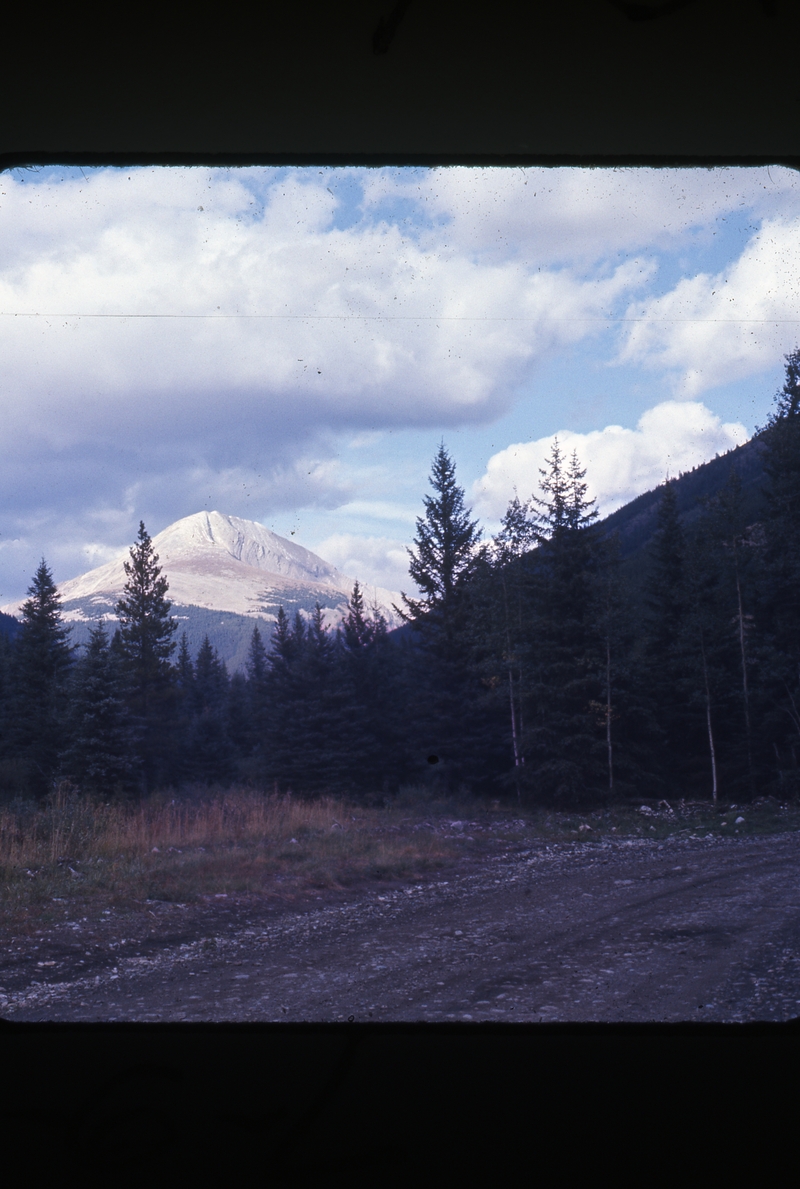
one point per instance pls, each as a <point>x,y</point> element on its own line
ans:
<point>224,563</point>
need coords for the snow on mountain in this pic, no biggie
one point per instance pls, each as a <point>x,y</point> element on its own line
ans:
<point>225,564</point>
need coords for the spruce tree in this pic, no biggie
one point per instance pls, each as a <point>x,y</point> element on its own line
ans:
<point>444,705</point>
<point>367,687</point>
<point>209,754</point>
<point>99,757</point>
<point>565,750</point>
<point>733,550</point>
<point>665,619</point>
<point>779,596</point>
<point>444,556</point>
<point>285,744</point>
<point>239,729</point>
<point>258,702</point>
<point>39,669</point>
<point>498,625</point>
<point>300,664</point>
<point>146,641</point>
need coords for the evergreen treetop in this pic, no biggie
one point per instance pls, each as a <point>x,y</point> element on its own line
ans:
<point>445,543</point>
<point>39,665</point>
<point>146,627</point>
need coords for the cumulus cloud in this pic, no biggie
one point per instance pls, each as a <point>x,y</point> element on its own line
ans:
<point>374,561</point>
<point>184,318</point>
<point>710,329</point>
<point>567,214</point>
<point>270,306</point>
<point>173,339</point>
<point>620,463</point>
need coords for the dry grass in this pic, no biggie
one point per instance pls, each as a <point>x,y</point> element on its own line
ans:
<point>78,851</point>
<point>209,844</point>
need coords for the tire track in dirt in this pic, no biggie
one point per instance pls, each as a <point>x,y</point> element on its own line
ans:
<point>624,930</point>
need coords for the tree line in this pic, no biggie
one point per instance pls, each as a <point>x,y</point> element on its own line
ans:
<point>537,662</point>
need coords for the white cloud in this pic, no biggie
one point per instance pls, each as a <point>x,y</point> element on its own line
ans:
<point>366,327</point>
<point>712,329</point>
<point>620,463</point>
<point>547,215</point>
<point>308,322</point>
<point>374,561</point>
<point>375,320</point>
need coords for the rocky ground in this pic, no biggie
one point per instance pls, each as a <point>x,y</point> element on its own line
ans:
<point>610,930</point>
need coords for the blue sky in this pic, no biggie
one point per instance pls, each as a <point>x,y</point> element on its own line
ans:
<point>291,345</point>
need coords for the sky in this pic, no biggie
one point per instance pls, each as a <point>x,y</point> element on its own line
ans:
<point>291,345</point>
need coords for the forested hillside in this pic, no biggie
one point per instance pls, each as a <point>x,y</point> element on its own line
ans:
<point>637,522</point>
<point>567,661</point>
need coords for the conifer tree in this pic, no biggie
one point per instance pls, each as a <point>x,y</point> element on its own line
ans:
<point>499,625</point>
<point>183,709</point>
<point>444,559</point>
<point>285,744</point>
<point>444,555</point>
<point>299,664</point>
<point>702,680</point>
<point>99,757</point>
<point>732,549</point>
<point>258,703</point>
<point>209,752</point>
<point>665,619</point>
<point>184,669</point>
<point>239,729</point>
<point>368,691</point>
<point>564,749</point>
<point>40,664</point>
<point>146,641</point>
<point>210,679</point>
<point>779,596</point>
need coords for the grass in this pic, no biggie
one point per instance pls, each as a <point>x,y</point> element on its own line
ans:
<point>205,844</point>
<point>180,849</point>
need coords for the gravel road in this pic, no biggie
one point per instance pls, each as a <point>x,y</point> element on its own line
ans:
<point>629,930</point>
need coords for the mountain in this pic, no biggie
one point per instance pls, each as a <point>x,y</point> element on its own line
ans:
<point>225,575</point>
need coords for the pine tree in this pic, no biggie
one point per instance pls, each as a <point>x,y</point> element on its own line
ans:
<point>665,620</point>
<point>209,752</point>
<point>565,751</point>
<point>285,744</point>
<point>498,626</point>
<point>40,664</point>
<point>210,679</point>
<point>300,679</point>
<point>446,689</point>
<point>779,596</point>
<point>239,729</point>
<point>184,670</point>
<point>702,680</point>
<point>258,702</point>
<point>368,691</point>
<point>444,556</point>
<point>732,549</point>
<point>146,641</point>
<point>99,757</point>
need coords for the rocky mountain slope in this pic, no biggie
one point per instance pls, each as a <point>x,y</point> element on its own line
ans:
<point>225,574</point>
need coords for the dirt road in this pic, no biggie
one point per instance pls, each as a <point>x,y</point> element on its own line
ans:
<point>630,930</point>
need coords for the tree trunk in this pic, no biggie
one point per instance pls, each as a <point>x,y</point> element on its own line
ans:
<point>608,717</point>
<point>711,747</point>
<point>745,691</point>
<point>514,735</point>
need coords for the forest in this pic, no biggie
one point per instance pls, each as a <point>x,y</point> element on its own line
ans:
<point>553,664</point>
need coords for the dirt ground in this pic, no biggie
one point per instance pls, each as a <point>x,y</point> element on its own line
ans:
<point>623,930</point>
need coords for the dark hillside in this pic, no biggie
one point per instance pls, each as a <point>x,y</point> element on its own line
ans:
<point>9,626</point>
<point>636,522</point>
